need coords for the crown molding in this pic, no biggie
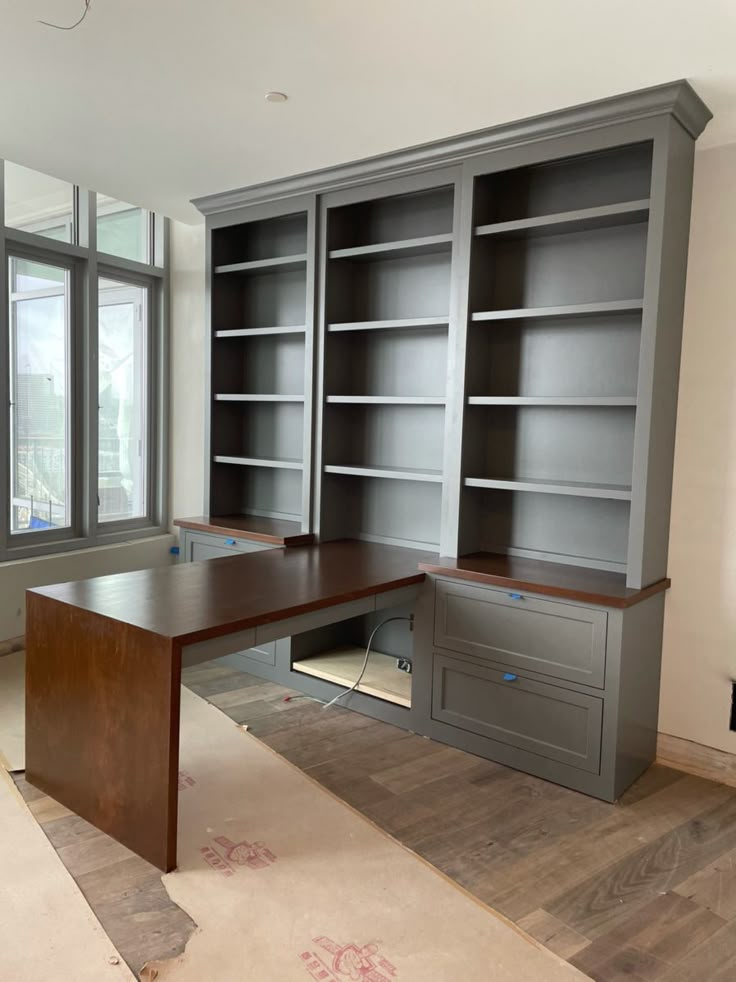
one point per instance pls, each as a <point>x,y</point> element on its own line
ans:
<point>677,99</point>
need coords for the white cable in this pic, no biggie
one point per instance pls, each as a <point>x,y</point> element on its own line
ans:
<point>357,682</point>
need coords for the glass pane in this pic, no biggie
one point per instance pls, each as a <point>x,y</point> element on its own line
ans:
<point>123,401</point>
<point>37,203</point>
<point>39,394</point>
<point>122,230</point>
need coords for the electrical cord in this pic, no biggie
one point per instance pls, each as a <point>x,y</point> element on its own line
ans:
<point>354,686</point>
<point>61,27</point>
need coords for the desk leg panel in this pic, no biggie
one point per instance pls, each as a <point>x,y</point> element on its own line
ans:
<point>102,723</point>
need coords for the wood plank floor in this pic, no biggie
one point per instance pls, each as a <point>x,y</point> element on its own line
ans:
<point>643,891</point>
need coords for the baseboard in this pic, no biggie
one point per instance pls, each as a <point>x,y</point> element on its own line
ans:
<point>11,645</point>
<point>694,758</point>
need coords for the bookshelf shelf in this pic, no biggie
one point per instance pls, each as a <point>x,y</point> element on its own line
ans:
<point>386,400</point>
<point>419,246</point>
<point>256,397</point>
<point>282,463</point>
<point>577,488</point>
<point>282,264</point>
<point>391,473</point>
<point>399,324</point>
<point>256,332</point>
<point>580,220</point>
<point>593,401</point>
<point>561,310</point>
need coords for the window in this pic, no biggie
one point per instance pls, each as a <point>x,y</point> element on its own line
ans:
<point>39,396</point>
<point>82,367</point>
<point>37,203</point>
<point>122,230</point>
<point>123,443</point>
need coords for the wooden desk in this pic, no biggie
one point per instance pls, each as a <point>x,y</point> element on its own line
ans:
<point>104,659</point>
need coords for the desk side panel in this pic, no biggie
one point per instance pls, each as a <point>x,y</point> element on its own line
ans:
<point>102,723</point>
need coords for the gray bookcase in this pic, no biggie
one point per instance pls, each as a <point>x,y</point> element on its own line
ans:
<point>386,263</point>
<point>472,348</point>
<point>262,319</point>
<point>558,255</point>
<point>468,347</point>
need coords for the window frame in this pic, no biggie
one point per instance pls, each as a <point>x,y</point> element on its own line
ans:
<point>19,538</point>
<point>151,359</point>
<point>86,266</point>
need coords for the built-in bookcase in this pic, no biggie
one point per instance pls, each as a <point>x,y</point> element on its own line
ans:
<point>493,376</point>
<point>494,367</point>
<point>262,325</point>
<point>386,312</point>
<point>556,294</point>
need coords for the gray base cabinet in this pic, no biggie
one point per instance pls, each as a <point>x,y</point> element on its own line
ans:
<point>564,690</point>
<point>572,697</point>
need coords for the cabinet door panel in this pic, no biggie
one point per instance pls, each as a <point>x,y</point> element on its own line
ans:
<point>542,719</point>
<point>561,640</point>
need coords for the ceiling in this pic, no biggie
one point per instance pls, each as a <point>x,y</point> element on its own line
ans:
<point>158,101</point>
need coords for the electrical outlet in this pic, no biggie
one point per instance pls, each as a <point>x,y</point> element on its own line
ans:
<point>404,665</point>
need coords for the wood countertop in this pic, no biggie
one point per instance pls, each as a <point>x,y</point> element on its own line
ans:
<point>191,602</point>
<point>273,531</point>
<point>593,586</point>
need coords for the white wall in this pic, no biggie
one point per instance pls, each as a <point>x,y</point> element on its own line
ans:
<point>700,619</point>
<point>188,347</point>
<point>16,577</point>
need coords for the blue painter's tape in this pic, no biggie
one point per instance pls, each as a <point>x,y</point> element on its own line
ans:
<point>174,550</point>
<point>516,596</point>
<point>508,677</point>
<point>229,542</point>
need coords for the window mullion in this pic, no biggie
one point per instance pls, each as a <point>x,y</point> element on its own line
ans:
<point>88,215</point>
<point>5,377</point>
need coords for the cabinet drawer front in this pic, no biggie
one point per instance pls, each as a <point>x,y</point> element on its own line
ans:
<point>558,639</point>
<point>542,719</point>
<point>202,545</point>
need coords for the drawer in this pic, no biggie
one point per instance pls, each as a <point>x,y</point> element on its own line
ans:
<point>553,638</point>
<point>537,717</point>
<point>198,546</point>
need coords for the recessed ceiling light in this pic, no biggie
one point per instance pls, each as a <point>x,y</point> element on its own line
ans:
<point>276,97</point>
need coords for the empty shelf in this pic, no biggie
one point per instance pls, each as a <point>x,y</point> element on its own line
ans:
<point>382,679</point>
<point>420,246</point>
<point>580,489</point>
<point>255,397</point>
<point>567,310</point>
<point>277,264</point>
<point>255,332</point>
<point>392,473</point>
<point>401,323</point>
<point>387,400</point>
<point>284,463</point>
<point>552,400</point>
<point>580,220</point>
